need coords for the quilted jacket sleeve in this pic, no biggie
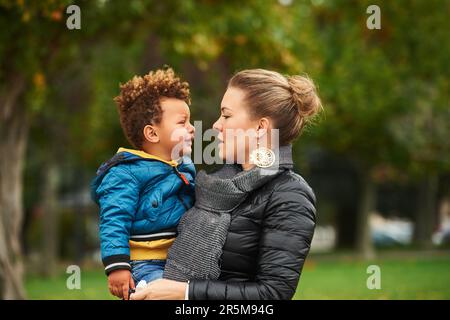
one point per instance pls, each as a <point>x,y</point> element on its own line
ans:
<point>286,236</point>
<point>118,196</point>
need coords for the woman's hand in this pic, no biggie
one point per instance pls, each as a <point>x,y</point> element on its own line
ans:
<point>161,289</point>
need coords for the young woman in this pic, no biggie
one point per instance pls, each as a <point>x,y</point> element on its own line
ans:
<point>270,232</point>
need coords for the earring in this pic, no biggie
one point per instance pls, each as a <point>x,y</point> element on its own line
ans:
<point>262,157</point>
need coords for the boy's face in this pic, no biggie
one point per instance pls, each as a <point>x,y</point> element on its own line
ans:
<point>175,132</point>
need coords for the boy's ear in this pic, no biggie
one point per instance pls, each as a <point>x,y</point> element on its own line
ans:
<point>151,134</point>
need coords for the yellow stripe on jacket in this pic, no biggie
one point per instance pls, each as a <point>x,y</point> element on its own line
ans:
<point>146,250</point>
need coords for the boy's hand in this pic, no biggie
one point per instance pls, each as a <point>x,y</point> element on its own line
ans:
<point>119,282</point>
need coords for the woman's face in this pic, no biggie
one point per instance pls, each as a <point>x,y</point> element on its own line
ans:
<point>237,132</point>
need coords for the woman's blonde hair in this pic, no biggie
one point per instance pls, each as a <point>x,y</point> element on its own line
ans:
<point>289,101</point>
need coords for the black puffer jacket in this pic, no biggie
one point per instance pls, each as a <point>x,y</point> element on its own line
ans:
<point>268,240</point>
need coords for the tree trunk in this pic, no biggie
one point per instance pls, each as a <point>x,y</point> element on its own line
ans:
<point>425,217</point>
<point>366,205</point>
<point>346,225</point>
<point>13,138</point>
<point>50,208</point>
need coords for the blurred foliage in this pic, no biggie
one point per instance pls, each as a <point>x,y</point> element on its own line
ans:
<point>385,92</point>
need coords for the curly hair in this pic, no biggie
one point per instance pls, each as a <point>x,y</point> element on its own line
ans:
<point>139,101</point>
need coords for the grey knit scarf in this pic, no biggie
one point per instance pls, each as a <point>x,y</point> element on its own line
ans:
<point>203,229</point>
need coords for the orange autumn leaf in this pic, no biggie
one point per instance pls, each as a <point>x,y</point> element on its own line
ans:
<point>39,80</point>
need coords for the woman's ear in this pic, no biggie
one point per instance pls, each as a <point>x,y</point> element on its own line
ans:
<point>264,125</point>
<point>151,134</point>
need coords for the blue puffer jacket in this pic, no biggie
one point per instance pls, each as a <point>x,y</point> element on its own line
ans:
<point>141,198</point>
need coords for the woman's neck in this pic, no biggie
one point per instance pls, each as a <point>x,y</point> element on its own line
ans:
<point>247,166</point>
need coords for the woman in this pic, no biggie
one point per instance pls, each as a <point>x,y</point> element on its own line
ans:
<point>270,232</point>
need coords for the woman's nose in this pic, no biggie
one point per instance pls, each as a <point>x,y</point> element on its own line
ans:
<point>217,125</point>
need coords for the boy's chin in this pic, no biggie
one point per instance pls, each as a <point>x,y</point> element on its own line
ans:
<point>187,151</point>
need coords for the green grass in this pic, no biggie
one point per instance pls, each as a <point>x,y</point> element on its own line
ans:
<point>323,278</point>
<point>401,278</point>
<point>94,286</point>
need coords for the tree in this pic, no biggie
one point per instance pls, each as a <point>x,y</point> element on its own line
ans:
<point>35,43</point>
<point>368,83</point>
<point>16,78</point>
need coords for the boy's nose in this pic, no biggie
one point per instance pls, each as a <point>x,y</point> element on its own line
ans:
<point>191,128</point>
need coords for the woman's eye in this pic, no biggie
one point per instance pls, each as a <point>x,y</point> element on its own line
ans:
<point>226,117</point>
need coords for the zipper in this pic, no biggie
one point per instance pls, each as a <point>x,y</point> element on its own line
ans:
<point>181,176</point>
<point>186,182</point>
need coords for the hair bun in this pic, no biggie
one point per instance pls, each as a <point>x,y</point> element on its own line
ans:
<point>304,95</point>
